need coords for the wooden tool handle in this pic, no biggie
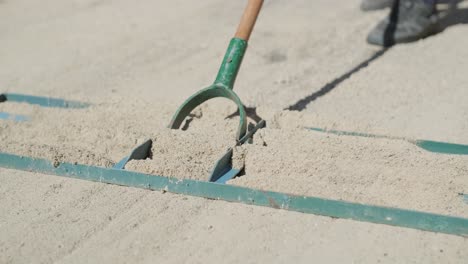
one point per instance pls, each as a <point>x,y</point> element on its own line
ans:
<point>248,19</point>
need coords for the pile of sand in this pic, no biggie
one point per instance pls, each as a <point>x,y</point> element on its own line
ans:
<point>366,170</point>
<point>98,135</point>
<point>182,154</point>
<point>101,136</point>
<point>193,153</point>
<point>284,157</point>
<point>59,154</point>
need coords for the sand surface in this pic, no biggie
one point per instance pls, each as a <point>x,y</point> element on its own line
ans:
<point>191,153</point>
<point>73,220</point>
<point>186,155</point>
<point>386,172</point>
<point>137,62</point>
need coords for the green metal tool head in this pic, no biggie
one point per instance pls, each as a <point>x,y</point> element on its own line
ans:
<point>222,87</point>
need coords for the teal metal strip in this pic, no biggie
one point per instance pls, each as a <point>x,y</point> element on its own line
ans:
<point>121,164</point>
<point>431,146</point>
<point>17,118</point>
<point>442,147</point>
<point>346,133</point>
<point>228,176</point>
<point>42,101</point>
<point>311,205</point>
<point>223,169</point>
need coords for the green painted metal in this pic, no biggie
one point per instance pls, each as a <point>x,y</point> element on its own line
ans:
<point>249,135</point>
<point>432,146</point>
<point>311,205</point>
<point>222,87</point>
<point>231,63</point>
<point>41,101</point>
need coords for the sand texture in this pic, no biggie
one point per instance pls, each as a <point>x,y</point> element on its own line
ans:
<point>72,135</point>
<point>385,172</point>
<point>18,108</point>
<point>193,153</point>
<point>184,155</point>
<point>307,65</point>
<point>75,220</point>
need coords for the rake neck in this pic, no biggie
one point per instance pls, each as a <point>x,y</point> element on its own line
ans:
<point>231,63</point>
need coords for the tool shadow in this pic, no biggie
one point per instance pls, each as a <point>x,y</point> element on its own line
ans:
<point>303,103</point>
<point>450,17</point>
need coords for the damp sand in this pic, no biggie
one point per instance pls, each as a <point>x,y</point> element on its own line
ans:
<point>382,172</point>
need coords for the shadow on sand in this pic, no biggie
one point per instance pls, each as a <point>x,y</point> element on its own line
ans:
<point>449,17</point>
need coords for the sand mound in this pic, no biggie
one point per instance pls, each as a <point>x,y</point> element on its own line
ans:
<point>284,157</point>
<point>376,171</point>
<point>58,154</point>
<point>183,154</point>
<point>192,154</point>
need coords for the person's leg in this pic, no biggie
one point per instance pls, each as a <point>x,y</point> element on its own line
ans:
<point>409,20</point>
<point>371,5</point>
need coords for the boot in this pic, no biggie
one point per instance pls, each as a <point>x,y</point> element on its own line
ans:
<point>409,20</point>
